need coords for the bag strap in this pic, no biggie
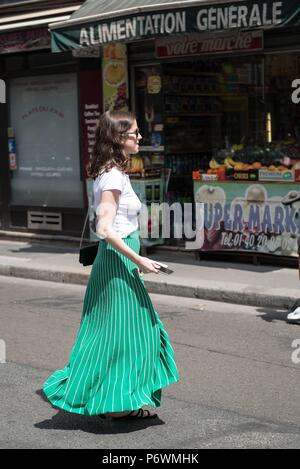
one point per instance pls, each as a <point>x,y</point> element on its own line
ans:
<point>83,230</point>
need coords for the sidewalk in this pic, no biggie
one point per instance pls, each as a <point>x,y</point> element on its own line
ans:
<point>245,284</point>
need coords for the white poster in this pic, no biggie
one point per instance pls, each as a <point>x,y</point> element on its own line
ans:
<point>44,116</point>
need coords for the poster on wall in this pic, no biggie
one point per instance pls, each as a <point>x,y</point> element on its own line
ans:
<point>44,118</point>
<point>115,77</point>
<point>90,82</point>
<point>249,217</point>
<point>90,110</point>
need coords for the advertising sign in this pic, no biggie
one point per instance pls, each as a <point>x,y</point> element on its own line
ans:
<point>90,82</point>
<point>44,117</point>
<point>209,44</point>
<point>115,77</point>
<point>249,217</point>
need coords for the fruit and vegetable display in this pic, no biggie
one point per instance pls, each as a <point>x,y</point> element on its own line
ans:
<point>255,160</point>
<point>140,167</point>
<point>136,164</point>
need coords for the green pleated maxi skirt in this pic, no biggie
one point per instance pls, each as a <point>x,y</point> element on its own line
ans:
<point>122,356</point>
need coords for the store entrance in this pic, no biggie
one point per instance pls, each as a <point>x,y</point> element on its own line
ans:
<point>209,105</point>
<point>190,111</point>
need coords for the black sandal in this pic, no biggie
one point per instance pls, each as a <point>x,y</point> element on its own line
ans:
<point>141,414</point>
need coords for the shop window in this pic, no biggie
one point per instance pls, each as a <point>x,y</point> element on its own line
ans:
<point>249,188</point>
<point>221,119</point>
<point>283,114</point>
<point>44,138</point>
<point>149,104</point>
<point>210,106</point>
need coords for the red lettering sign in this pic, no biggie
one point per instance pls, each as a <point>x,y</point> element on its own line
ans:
<point>203,44</point>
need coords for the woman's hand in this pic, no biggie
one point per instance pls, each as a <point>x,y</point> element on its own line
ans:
<point>148,266</point>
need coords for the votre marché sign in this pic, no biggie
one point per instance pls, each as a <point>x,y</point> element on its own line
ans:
<point>218,17</point>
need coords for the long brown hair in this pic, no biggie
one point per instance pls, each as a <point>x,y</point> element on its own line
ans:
<point>108,148</point>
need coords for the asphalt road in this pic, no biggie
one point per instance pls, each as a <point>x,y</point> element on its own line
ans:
<point>239,375</point>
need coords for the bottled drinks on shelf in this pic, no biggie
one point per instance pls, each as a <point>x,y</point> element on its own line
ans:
<point>157,192</point>
<point>192,104</point>
<point>192,84</point>
<point>149,192</point>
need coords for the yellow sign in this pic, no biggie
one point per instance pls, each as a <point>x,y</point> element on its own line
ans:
<point>115,77</point>
<point>154,84</point>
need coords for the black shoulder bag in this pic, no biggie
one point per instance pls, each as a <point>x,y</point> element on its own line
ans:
<point>87,254</point>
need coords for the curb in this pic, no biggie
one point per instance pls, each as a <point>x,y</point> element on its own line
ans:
<point>219,292</point>
<point>47,275</point>
<point>24,237</point>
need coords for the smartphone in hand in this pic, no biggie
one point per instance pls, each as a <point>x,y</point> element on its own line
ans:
<point>164,268</point>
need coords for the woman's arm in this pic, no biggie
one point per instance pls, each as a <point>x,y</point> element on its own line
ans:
<point>106,212</point>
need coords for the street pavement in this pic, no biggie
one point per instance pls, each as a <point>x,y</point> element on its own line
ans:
<point>238,366</point>
<point>246,284</point>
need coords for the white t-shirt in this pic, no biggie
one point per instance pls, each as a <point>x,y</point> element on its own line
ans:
<point>126,219</point>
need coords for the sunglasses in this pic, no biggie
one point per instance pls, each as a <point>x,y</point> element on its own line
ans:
<point>136,132</point>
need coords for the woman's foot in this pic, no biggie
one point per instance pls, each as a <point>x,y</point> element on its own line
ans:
<point>134,414</point>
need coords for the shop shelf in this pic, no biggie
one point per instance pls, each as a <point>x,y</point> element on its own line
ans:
<point>186,150</point>
<point>198,74</point>
<point>193,94</point>
<point>194,114</point>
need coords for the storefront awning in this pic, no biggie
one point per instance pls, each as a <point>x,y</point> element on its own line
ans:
<point>98,22</point>
<point>25,30</point>
<point>35,19</point>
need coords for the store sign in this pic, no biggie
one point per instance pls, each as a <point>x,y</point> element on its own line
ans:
<point>90,83</point>
<point>209,44</point>
<point>202,18</point>
<point>249,217</point>
<point>24,40</point>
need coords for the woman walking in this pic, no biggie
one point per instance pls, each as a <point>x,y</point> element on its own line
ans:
<point>122,356</point>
